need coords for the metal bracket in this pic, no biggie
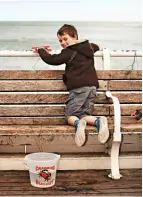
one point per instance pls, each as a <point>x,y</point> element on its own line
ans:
<point>115,173</point>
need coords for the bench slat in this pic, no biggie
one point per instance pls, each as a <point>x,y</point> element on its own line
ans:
<point>57,74</point>
<point>55,129</point>
<point>125,109</point>
<point>63,143</point>
<point>44,110</point>
<point>39,85</point>
<point>27,111</point>
<point>54,120</point>
<point>61,98</point>
<point>125,85</point>
<point>50,85</point>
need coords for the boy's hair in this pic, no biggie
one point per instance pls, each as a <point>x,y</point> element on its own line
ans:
<point>68,29</point>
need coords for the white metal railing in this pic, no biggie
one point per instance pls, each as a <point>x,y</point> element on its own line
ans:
<point>114,53</point>
<point>105,53</point>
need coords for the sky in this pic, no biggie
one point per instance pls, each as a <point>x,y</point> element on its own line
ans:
<point>70,10</point>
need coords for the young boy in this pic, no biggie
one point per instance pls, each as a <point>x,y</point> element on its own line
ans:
<point>81,80</point>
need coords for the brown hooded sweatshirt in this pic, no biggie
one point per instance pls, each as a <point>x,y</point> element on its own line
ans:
<point>79,60</point>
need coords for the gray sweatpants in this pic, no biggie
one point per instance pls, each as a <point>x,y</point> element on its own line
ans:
<point>80,102</point>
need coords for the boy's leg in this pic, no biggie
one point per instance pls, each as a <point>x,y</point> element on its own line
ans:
<point>72,119</point>
<point>74,112</point>
<point>79,129</point>
<point>102,126</point>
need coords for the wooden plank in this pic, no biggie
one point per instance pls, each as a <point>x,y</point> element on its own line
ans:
<point>25,184</point>
<point>32,121</point>
<point>39,129</point>
<point>72,190</point>
<point>62,143</point>
<point>131,143</point>
<point>39,85</point>
<point>124,120</point>
<point>125,85</point>
<point>44,110</point>
<point>131,127</point>
<point>136,173</point>
<point>55,120</point>
<point>119,74</point>
<point>91,182</point>
<point>126,110</point>
<point>61,98</point>
<point>47,110</point>
<point>30,74</point>
<point>34,110</point>
<point>31,85</point>
<point>57,74</point>
<point>52,129</point>
<point>53,148</point>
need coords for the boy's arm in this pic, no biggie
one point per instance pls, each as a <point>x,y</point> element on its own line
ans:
<point>95,47</point>
<point>55,59</point>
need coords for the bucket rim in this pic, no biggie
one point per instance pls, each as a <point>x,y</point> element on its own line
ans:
<point>57,156</point>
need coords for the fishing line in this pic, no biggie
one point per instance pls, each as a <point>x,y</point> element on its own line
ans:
<point>134,61</point>
<point>36,62</point>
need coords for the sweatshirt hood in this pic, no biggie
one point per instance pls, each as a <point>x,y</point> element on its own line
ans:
<point>82,47</point>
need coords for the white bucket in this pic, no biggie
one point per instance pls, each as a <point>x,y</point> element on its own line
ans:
<point>42,168</point>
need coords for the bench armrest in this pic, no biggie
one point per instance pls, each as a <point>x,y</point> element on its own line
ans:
<point>115,173</point>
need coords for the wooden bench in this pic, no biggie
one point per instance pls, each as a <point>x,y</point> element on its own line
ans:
<point>32,119</point>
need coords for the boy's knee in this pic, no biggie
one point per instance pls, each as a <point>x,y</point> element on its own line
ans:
<point>71,120</point>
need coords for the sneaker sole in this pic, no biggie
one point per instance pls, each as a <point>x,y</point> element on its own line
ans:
<point>104,131</point>
<point>80,133</point>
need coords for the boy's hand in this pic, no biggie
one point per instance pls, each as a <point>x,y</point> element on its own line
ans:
<point>47,49</point>
<point>35,49</point>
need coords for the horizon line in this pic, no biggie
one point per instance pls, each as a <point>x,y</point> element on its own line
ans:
<point>67,21</point>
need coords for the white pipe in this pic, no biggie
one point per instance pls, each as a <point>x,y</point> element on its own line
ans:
<point>114,53</point>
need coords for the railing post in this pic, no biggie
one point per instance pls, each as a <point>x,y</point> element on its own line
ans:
<point>106,59</point>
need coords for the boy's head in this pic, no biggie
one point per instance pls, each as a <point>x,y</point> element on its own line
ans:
<point>67,35</point>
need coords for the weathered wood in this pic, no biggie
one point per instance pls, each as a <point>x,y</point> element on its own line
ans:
<point>56,120</point>
<point>124,120</point>
<point>131,127</point>
<point>32,85</point>
<point>56,85</point>
<point>89,183</point>
<point>39,129</point>
<point>131,143</point>
<point>39,85</point>
<point>46,110</point>
<point>32,121</point>
<point>125,85</point>
<point>53,129</point>
<point>136,173</point>
<point>57,74</point>
<point>63,143</point>
<point>126,110</point>
<point>61,98</point>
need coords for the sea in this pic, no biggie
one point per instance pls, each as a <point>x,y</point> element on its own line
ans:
<point>23,35</point>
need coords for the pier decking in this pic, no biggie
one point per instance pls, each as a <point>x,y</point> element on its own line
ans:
<point>74,183</point>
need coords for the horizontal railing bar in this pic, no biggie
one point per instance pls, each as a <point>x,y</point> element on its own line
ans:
<point>113,53</point>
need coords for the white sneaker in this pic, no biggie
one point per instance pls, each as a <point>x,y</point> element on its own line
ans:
<point>80,133</point>
<point>103,132</point>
